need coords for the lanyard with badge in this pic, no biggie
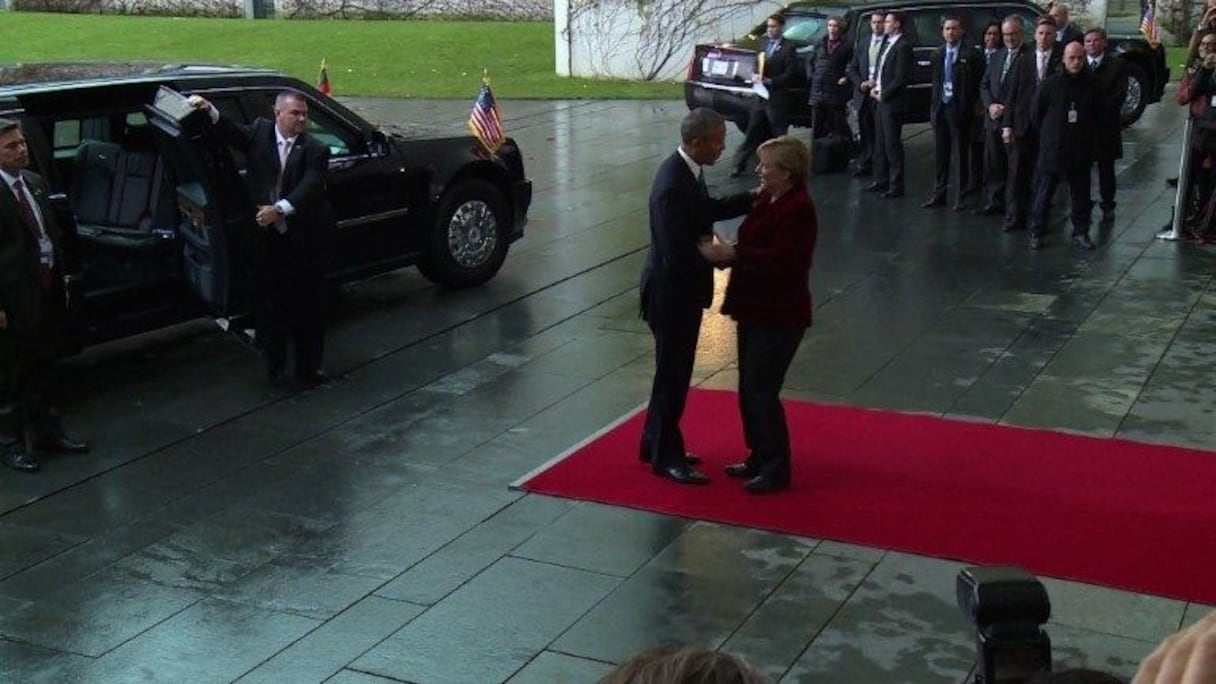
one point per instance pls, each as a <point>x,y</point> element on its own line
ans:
<point>1072,112</point>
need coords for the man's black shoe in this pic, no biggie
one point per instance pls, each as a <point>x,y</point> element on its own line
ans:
<point>1172,182</point>
<point>65,445</point>
<point>934,201</point>
<point>990,210</point>
<point>877,187</point>
<point>862,171</point>
<point>1014,227</point>
<point>960,206</point>
<point>1036,242</point>
<point>766,484</point>
<point>1082,241</point>
<point>892,194</point>
<point>682,475</point>
<point>742,471</point>
<point>22,461</point>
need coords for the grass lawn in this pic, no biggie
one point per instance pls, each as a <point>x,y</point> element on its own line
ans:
<point>421,58</point>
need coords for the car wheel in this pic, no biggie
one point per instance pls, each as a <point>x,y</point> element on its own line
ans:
<point>467,243</point>
<point>1135,102</point>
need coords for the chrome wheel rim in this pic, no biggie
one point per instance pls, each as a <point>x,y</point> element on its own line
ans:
<point>472,234</point>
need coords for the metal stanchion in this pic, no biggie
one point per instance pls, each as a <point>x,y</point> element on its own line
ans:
<point>1184,181</point>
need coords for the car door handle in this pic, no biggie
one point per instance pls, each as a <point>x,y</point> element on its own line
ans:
<point>923,62</point>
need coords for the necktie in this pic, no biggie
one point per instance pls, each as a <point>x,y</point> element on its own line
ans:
<point>1093,64</point>
<point>1042,65</point>
<point>948,81</point>
<point>284,150</point>
<point>31,223</point>
<point>1008,62</point>
<point>701,182</point>
<point>875,45</point>
<point>772,47</point>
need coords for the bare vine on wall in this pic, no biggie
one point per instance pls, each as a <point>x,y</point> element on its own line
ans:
<point>662,29</point>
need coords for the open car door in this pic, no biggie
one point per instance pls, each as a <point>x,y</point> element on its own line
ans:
<point>216,219</point>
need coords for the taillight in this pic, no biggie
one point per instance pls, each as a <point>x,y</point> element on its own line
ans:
<point>692,65</point>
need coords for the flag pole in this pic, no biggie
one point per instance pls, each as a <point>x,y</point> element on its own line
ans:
<point>1184,172</point>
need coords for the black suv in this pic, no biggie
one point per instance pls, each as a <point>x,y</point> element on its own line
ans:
<point>157,219</point>
<point>719,76</point>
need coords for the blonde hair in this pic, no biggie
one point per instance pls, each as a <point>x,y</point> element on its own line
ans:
<point>790,154</point>
<point>684,666</point>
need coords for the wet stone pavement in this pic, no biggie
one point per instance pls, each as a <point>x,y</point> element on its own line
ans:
<point>224,531</point>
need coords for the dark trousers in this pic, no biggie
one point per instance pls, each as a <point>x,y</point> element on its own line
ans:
<point>1045,184</point>
<point>765,354</point>
<point>865,131</point>
<point>1022,156</point>
<point>889,147</point>
<point>976,162</point>
<point>763,124</point>
<point>675,345</point>
<point>951,136</point>
<point>27,380</point>
<point>828,119</point>
<point>292,306</point>
<point>996,168</point>
<point>1106,183</point>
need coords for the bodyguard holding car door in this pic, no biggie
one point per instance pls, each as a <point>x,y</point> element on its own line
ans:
<point>286,181</point>
<point>31,303</point>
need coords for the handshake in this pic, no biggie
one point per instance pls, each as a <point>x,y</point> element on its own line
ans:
<point>717,251</point>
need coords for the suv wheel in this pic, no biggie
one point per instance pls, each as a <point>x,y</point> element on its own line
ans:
<point>467,245</point>
<point>1134,103</point>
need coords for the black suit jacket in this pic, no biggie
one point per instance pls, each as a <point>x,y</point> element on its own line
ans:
<point>676,276</point>
<point>995,88</point>
<point>1024,77</point>
<point>895,74</point>
<point>858,69</point>
<point>967,74</point>
<point>1065,145</point>
<point>1110,87</point>
<point>20,296</point>
<point>311,225</point>
<point>1072,34</point>
<point>781,73</point>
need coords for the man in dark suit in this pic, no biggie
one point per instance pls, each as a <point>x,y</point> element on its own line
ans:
<point>1065,31</point>
<point>1064,113</point>
<point>771,117</point>
<point>286,181</point>
<point>994,94</point>
<point>861,74</point>
<point>31,305</point>
<point>1017,127</point>
<point>1109,73</point>
<point>957,69</point>
<point>677,284</point>
<point>890,93</point>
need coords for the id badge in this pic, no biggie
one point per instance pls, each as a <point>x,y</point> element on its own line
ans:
<point>1072,116</point>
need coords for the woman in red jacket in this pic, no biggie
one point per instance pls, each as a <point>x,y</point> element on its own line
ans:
<point>769,296</point>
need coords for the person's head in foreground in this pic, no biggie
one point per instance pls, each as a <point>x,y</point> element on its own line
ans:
<point>684,666</point>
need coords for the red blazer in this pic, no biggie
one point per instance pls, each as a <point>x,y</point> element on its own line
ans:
<point>770,279</point>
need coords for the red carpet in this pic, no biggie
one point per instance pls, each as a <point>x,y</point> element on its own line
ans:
<point>1104,511</point>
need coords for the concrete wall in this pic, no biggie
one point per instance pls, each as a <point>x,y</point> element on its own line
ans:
<point>645,39</point>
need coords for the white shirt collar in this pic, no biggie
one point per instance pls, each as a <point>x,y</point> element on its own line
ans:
<point>9,179</point>
<point>692,165</point>
<point>280,139</point>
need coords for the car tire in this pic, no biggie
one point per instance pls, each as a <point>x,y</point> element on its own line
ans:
<point>468,241</point>
<point>1137,94</point>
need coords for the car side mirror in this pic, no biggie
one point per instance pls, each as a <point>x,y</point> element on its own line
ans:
<point>378,145</point>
